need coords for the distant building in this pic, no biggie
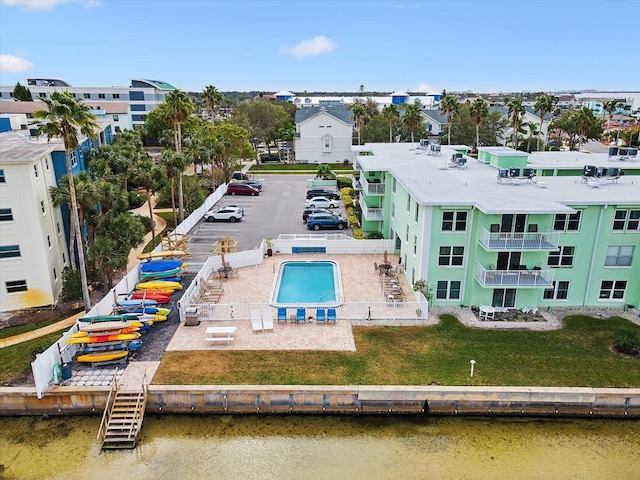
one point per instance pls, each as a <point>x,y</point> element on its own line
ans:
<point>428,100</point>
<point>34,234</point>
<point>323,135</point>
<point>141,97</point>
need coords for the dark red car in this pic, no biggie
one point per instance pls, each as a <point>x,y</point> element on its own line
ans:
<point>241,189</point>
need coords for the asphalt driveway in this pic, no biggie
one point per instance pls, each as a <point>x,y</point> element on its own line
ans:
<point>278,209</point>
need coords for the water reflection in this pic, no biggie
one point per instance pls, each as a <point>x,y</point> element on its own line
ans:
<point>297,447</point>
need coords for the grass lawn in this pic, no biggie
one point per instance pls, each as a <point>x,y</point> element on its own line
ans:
<point>16,359</point>
<point>578,355</point>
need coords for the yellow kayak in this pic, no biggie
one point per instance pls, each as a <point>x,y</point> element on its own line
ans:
<point>102,356</point>
<point>165,254</point>
<point>158,285</point>
<point>98,327</point>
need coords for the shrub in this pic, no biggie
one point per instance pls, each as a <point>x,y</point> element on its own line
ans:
<point>136,200</point>
<point>627,341</point>
<point>357,233</point>
<point>353,221</point>
<point>348,201</point>
<point>71,284</point>
<point>343,182</point>
<point>374,235</point>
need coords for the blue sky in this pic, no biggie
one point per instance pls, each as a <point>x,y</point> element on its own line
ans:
<point>482,46</point>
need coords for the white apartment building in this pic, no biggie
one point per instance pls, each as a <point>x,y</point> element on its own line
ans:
<point>323,135</point>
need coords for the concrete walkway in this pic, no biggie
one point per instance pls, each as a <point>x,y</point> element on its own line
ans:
<point>41,332</point>
<point>160,225</point>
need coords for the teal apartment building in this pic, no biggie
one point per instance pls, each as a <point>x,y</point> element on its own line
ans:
<point>507,229</point>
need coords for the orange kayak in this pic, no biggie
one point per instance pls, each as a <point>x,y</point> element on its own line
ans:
<point>104,338</point>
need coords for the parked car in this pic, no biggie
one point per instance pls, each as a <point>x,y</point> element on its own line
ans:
<point>323,192</point>
<point>253,183</point>
<point>241,189</point>
<point>311,211</point>
<point>326,220</point>
<point>321,202</point>
<point>231,214</point>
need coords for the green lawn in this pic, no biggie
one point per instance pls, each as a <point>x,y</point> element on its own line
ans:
<point>577,355</point>
<point>16,359</point>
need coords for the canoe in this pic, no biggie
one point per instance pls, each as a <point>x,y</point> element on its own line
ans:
<point>107,356</point>
<point>134,344</point>
<point>104,338</point>
<point>103,333</point>
<point>159,285</point>
<point>137,303</point>
<point>161,266</point>
<point>156,295</point>
<point>165,254</point>
<point>153,310</point>
<point>165,273</point>
<point>105,346</point>
<point>96,327</point>
<point>110,318</point>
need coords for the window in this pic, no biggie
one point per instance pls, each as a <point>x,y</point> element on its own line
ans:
<point>55,274</point>
<point>72,158</point>
<point>9,251</point>
<point>138,108</point>
<point>118,130</point>
<point>619,256</point>
<point>454,221</point>
<point>16,286</point>
<point>42,205</point>
<point>116,118</point>
<point>58,227</point>
<point>35,170</point>
<point>5,214</point>
<point>448,290</point>
<point>415,244</point>
<point>101,95</point>
<point>393,185</point>
<point>326,144</point>
<point>407,235</point>
<point>612,289</point>
<point>138,118</point>
<point>116,95</point>
<point>2,177</point>
<point>408,203</point>
<point>558,291</point>
<point>73,95</point>
<point>563,257</point>
<point>417,210</point>
<point>86,95</point>
<point>46,163</point>
<point>450,256</point>
<point>393,210</point>
<point>136,96</point>
<point>64,258</point>
<point>42,95</point>
<point>628,220</point>
<point>49,240</point>
<point>567,223</point>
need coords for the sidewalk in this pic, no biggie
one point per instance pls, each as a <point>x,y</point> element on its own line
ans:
<point>160,224</point>
<point>41,332</point>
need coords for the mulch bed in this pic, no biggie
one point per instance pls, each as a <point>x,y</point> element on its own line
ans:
<point>514,315</point>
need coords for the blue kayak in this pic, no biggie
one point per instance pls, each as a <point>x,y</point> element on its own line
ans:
<point>138,302</point>
<point>160,266</point>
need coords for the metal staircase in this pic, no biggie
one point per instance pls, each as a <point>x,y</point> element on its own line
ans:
<point>122,418</point>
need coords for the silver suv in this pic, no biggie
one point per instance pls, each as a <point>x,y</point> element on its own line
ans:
<point>231,214</point>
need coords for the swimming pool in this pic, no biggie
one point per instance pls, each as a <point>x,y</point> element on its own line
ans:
<point>307,283</point>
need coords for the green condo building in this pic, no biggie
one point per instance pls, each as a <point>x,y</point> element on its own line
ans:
<point>507,229</point>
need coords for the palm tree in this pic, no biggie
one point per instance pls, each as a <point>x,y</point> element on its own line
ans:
<point>127,152</point>
<point>533,131</point>
<point>610,107</point>
<point>412,118</point>
<point>449,105</point>
<point>66,117</point>
<point>212,98</point>
<point>178,107</point>
<point>148,175</point>
<point>391,115</point>
<point>359,113</point>
<point>545,104</point>
<point>516,110</point>
<point>172,163</point>
<point>479,111</point>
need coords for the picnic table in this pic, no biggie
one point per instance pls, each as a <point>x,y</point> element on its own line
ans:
<point>220,334</point>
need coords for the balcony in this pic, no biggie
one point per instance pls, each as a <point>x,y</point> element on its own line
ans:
<point>356,184</point>
<point>374,214</point>
<point>371,188</point>
<point>542,278</point>
<point>519,241</point>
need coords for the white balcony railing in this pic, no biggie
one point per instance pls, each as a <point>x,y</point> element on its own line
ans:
<point>519,241</point>
<point>542,278</point>
<point>370,213</point>
<point>371,188</point>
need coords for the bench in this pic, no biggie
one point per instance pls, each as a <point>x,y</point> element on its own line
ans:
<point>219,339</point>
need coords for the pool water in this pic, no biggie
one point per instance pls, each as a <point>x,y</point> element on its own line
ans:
<point>306,282</point>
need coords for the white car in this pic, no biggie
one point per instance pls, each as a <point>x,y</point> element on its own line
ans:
<point>322,202</point>
<point>231,214</point>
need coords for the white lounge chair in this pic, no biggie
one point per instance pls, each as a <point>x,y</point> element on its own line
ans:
<point>256,321</point>
<point>267,319</point>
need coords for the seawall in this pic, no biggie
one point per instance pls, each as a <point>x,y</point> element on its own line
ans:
<point>299,399</point>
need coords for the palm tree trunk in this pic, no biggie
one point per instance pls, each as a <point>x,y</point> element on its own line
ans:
<point>177,137</point>
<point>78,235</point>
<point>72,243</point>
<point>390,132</point>
<point>153,223</point>
<point>477,136</point>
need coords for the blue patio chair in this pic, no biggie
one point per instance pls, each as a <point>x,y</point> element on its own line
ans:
<point>301,315</point>
<point>320,315</point>
<point>331,315</point>
<point>282,314</point>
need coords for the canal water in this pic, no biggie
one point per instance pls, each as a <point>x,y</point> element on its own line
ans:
<point>324,447</point>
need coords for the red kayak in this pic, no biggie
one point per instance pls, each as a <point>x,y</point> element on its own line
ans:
<point>160,297</point>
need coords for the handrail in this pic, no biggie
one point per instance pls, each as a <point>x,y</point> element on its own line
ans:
<point>106,416</point>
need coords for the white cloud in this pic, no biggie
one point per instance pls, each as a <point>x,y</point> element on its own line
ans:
<point>13,64</point>
<point>34,5</point>
<point>423,87</point>
<point>310,48</point>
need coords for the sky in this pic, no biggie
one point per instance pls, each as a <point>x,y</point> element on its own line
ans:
<point>329,46</point>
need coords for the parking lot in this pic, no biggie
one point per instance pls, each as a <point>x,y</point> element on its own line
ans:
<point>278,209</point>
